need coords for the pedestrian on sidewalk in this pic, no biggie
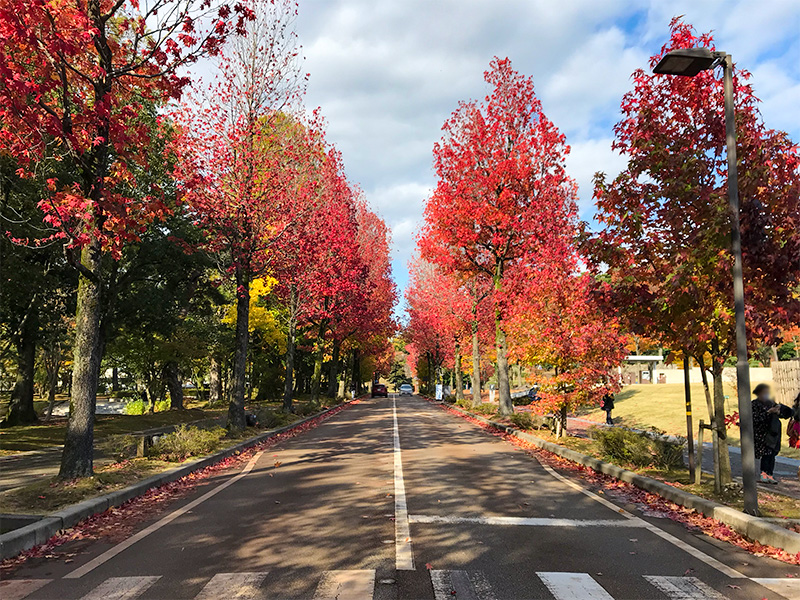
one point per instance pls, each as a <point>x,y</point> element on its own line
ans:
<point>767,429</point>
<point>793,427</point>
<point>607,404</point>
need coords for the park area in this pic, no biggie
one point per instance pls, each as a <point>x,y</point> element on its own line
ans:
<point>662,407</point>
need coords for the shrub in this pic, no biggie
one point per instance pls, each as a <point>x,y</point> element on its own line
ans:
<point>135,407</point>
<point>640,449</point>
<point>187,441</point>
<point>120,446</point>
<point>625,446</point>
<point>307,409</point>
<point>162,405</point>
<point>668,455</point>
<point>486,408</point>
<point>523,420</point>
<point>124,394</point>
<point>271,418</point>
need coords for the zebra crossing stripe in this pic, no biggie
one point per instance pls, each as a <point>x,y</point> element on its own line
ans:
<point>790,588</point>
<point>346,585</point>
<point>464,585</point>
<point>573,586</point>
<point>121,588</point>
<point>17,589</point>
<point>232,585</point>
<point>684,588</point>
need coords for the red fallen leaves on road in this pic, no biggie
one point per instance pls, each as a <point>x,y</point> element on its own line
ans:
<point>650,502</point>
<point>118,523</point>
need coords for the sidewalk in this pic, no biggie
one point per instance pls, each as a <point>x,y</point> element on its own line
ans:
<point>21,469</point>
<point>785,468</point>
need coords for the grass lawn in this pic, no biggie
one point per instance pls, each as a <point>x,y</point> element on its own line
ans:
<point>662,406</point>
<point>43,435</point>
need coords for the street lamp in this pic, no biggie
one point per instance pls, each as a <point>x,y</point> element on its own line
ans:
<point>688,62</point>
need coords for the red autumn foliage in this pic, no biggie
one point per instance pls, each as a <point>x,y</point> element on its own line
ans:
<point>502,199</point>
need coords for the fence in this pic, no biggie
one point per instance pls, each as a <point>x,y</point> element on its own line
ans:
<point>786,377</point>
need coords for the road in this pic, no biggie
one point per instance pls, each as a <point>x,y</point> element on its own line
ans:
<point>407,503</point>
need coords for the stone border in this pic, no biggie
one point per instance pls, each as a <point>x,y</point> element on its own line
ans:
<point>753,528</point>
<point>35,534</point>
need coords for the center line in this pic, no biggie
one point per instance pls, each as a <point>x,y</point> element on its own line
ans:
<point>404,558</point>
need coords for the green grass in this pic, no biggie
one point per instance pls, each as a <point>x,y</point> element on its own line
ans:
<point>662,406</point>
<point>43,435</point>
<point>51,495</point>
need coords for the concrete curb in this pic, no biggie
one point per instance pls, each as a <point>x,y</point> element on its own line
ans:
<point>753,528</point>
<point>35,534</point>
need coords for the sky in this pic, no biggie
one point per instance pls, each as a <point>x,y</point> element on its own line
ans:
<point>387,73</point>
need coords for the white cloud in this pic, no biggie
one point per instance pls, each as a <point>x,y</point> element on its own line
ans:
<point>387,73</point>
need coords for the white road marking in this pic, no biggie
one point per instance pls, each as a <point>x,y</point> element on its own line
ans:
<point>789,588</point>
<point>232,585</point>
<point>573,586</point>
<point>526,521</point>
<point>404,557</point>
<point>684,588</point>
<point>346,585</point>
<point>121,588</point>
<point>17,589</point>
<point>464,585</point>
<point>699,555</point>
<point>112,552</point>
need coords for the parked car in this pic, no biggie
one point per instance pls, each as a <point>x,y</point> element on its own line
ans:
<point>406,389</point>
<point>378,389</point>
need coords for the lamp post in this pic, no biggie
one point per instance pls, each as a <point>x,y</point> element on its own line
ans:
<point>689,62</point>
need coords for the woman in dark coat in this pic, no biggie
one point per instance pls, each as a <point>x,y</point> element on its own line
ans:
<point>767,430</point>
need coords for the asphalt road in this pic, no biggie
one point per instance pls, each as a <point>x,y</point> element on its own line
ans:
<point>423,505</point>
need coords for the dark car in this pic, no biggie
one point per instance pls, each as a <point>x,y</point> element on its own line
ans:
<point>378,389</point>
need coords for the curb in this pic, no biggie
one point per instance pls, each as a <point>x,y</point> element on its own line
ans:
<point>35,534</point>
<point>754,528</point>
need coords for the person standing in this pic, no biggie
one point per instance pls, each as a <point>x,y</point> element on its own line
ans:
<point>607,404</point>
<point>793,427</point>
<point>767,415</point>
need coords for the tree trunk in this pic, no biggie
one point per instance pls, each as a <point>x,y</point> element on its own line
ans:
<point>357,372</point>
<point>114,379</point>
<point>288,388</point>
<point>476,362</point>
<point>316,379</point>
<point>236,420</point>
<point>173,377</point>
<point>21,410</point>
<point>333,387</point>
<point>214,382</point>
<point>562,421</point>
<point>52,384</point>
<point>714,431</point>
<point>504,389</point>
<point>459,377</point>
<point>719,409</point>
<point>78,454</point>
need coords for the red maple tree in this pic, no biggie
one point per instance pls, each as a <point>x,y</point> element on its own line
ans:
<point>74,79</point>
<point>664,240</point>
<point>502,192</point>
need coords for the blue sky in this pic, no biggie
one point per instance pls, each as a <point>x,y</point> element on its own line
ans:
<point>387,73</point>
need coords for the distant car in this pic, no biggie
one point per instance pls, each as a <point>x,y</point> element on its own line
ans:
<point>406,389</point>
<point>378,389</point>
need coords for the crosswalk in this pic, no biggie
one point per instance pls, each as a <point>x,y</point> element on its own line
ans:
<point>361,585</point>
